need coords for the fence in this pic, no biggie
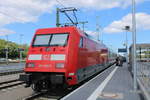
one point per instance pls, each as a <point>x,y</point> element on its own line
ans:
<point>143,74</point>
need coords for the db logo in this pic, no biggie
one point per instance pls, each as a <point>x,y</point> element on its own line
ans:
<point>46,57</point>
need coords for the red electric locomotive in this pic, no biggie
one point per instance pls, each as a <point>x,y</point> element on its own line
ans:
<point>62,56</point>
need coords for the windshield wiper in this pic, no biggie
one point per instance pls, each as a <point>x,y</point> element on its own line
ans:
<point>38,45</point>
<point>56,45</point>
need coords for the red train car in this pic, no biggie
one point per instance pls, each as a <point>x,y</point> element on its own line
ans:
<point>62,56</point>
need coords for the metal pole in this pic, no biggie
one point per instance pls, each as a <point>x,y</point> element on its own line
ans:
<point>149,54</point>
<point>7,55</point>
<point>20,48</point>
<point>140,54</point>
<point>134,44</point>
<point>97,28</point>
<point>57,17</point>
<point>126,48</point>
<point>7,50</point>
<point>20,56</point>
<point>83,26</point>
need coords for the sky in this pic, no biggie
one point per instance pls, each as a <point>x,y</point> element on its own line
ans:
<point>19,19</point>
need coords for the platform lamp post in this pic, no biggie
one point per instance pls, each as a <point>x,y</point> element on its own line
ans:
<point>21,35</point>
<point>127,28</point>
<point>134,46</point>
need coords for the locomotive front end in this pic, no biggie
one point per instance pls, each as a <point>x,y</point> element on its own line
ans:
<point>46,64</point>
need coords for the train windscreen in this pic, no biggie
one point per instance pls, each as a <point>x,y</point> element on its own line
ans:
<point>50,40</point>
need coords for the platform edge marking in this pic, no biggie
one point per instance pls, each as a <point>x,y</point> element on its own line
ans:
<point>64,98</point>
<point>99,90</point>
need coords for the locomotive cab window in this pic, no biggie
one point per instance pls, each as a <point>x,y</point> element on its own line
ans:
<point>50,40</point>
<point>41,40</point>
<point>81,42</point>
<point>59,39</point>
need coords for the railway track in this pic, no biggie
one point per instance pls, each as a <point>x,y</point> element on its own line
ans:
<point>44,95</point>
<point>10,72</point>
<point>55,94</point>
<point>34,96</point>
<point>9,84</point>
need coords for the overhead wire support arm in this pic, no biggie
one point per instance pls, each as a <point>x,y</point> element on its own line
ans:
<point>65,10</point>
<point>57,17</point>
<point>69,18</point>
<point>75,18</point>
<point>73,22</point>
<point>68,9</point>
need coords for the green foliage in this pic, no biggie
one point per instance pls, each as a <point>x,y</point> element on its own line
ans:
<point>13,49</point>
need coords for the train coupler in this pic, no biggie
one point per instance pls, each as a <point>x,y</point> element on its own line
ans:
<point>26,78</point>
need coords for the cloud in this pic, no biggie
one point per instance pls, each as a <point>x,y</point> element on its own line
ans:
<point>92,33</point>
<point>99,4</point>
<point>23,11</point>
<point>4,32</point>
<point>142,23</point>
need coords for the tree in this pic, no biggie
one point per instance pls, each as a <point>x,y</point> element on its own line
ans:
<point>13,49</point>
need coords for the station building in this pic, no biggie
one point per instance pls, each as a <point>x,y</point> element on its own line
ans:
<point>142,52</point>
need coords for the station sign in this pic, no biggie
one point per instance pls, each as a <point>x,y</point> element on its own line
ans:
<point>20,49</point>
<point>6,50</point>
<point>122,50</point>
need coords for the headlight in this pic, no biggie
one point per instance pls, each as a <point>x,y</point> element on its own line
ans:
<point>30,65</point>
<point>58,57</point>
<point>60,65</point>
<point>35,57</point>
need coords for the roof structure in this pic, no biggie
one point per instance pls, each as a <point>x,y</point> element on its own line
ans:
<point>142,45</point>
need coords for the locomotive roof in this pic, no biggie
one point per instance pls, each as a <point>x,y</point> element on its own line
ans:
<point>59,29</point>
<point>62,29</point>
<point>67,29</point>
<point>142,45</point>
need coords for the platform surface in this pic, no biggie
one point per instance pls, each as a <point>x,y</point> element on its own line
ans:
<point>120,87</point>
<point>115,83</point>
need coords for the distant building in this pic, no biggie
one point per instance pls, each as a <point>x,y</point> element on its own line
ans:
<point>142,52</point>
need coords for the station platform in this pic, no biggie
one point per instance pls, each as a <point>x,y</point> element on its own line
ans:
<point>115,83</point>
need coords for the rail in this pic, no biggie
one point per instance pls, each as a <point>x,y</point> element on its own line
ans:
<point>9,84</point>
<point>35,95</point>
<point>143,77</point>
<point>8,72</point>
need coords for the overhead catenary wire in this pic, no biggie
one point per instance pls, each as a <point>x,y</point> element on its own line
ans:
<point>75,17</point>
<point>69,18</point>
<point>16,18</point>
<point>67,13</point>
<point>10,16</point>
<point>60,3</point>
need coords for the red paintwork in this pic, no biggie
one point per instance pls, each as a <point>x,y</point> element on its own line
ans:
<point>92,53</point>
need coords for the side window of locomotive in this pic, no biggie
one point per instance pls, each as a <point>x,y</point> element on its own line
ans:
<point>81,43</point>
